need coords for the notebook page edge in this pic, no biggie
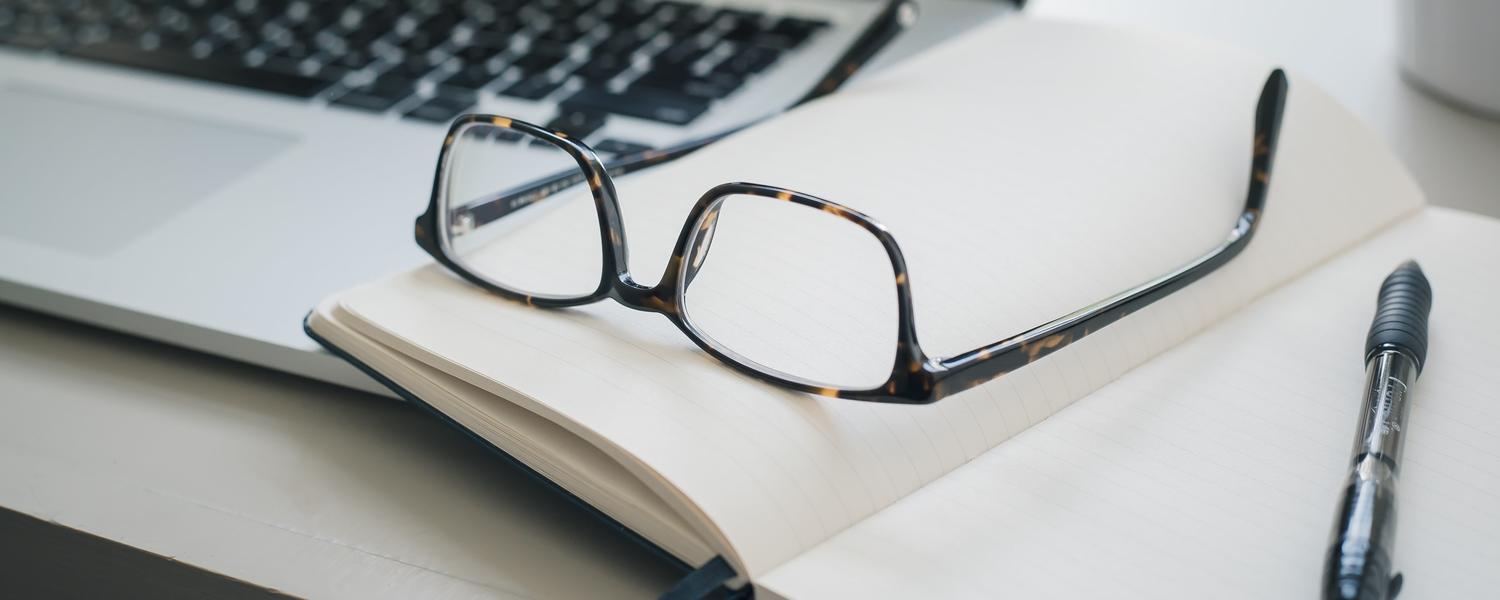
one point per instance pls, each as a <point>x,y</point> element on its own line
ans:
<point>644,511</point>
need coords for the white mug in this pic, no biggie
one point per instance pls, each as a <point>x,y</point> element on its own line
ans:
<point>1451,48</point>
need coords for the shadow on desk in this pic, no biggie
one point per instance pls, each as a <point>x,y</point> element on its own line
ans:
<point>45,560</point>
<point>282,482</point>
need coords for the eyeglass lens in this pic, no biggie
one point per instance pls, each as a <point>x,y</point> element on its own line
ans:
<point>793,289</point>
<point>548,242</point>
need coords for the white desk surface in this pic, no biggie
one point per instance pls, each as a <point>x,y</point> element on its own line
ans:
<point>323,492</point>
<point>1349,48</point>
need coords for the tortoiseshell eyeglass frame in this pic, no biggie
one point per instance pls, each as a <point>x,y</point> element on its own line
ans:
<point>915,378</point>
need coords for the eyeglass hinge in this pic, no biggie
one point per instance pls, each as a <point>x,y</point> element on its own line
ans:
<point>461,223</point>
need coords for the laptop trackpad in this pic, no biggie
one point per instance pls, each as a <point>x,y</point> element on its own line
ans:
<point>81,175</point>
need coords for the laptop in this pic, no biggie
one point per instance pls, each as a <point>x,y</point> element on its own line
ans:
<point>202,172</point>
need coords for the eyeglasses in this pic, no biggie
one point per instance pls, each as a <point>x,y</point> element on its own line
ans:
<point>573,252</point>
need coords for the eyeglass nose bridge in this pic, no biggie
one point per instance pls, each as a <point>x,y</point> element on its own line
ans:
<point>658,299</point>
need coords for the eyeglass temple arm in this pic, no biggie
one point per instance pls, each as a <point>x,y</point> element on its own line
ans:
<point>896,16</point>
<point>984,364</point>
<point>490,208</point>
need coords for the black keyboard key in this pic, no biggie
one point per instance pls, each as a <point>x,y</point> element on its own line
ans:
<point>689,22</point>
<point>458,95</point>
<point>795,25</point>
<point>416,67</point>
<point>535,87</point>
<point>281,64</point>
<point>329,73</point>
<point>303,67</point>
<point>504,24</point>
<point>566,11</point>
<point>172,19</point>
<point>330,42</point>
<point>630,13</point>
<point>469,78</point>
<point>365,100</point>
<point>682,53</point>
<point>714,85</point>
<point>165,41</point>
<point>531,64</point>
<point>496,36</point>
<point>440,25</point>
<point>479,12</point>
<point>741,14</point>
<point>678,8</point>
<point>324,12</point>
<point>361,38</point>
<point>353,60</point>
<point>604,67</point>
<point>666,76</point>
<point>613,146</point>
<point>776,41</point>
<point>622,43</point>
<point>542,56</point>
<point>743,28</point>
<point>749,60</point>
<point>478,54</point>
<point>788,33</point>
<point>274,33</point>
<point>380,95</point>
<point>307,31</point>
<point>216,70</point>
<point>420,41</point>
<point>439,109</point>
<point>295,51</point>
<point>645,103</point>
<point>562,33</point>
<point>578,124</point>
<point>394,85</point>
<point>236,46</point>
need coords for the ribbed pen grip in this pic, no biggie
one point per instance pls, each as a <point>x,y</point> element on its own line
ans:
<point>1401,314</point>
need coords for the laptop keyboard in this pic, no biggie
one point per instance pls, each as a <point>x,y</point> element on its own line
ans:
<point>664,61</point>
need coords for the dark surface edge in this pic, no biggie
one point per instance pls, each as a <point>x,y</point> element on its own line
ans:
<point>45,559</point>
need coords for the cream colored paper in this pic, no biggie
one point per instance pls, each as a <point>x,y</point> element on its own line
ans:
<point>1214,470</point>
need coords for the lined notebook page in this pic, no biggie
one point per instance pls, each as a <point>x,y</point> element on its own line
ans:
<point>1214,470</point>
<point>1027,169</point>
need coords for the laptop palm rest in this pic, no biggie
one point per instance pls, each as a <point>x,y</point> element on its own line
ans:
<point>84,176</point>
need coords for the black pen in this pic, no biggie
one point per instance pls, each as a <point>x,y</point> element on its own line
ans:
<point>1359,557</point>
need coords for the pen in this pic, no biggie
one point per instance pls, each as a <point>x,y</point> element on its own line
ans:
<point>1359,554</point>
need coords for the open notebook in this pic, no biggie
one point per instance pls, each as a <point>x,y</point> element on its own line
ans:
<point>1027,169</point>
